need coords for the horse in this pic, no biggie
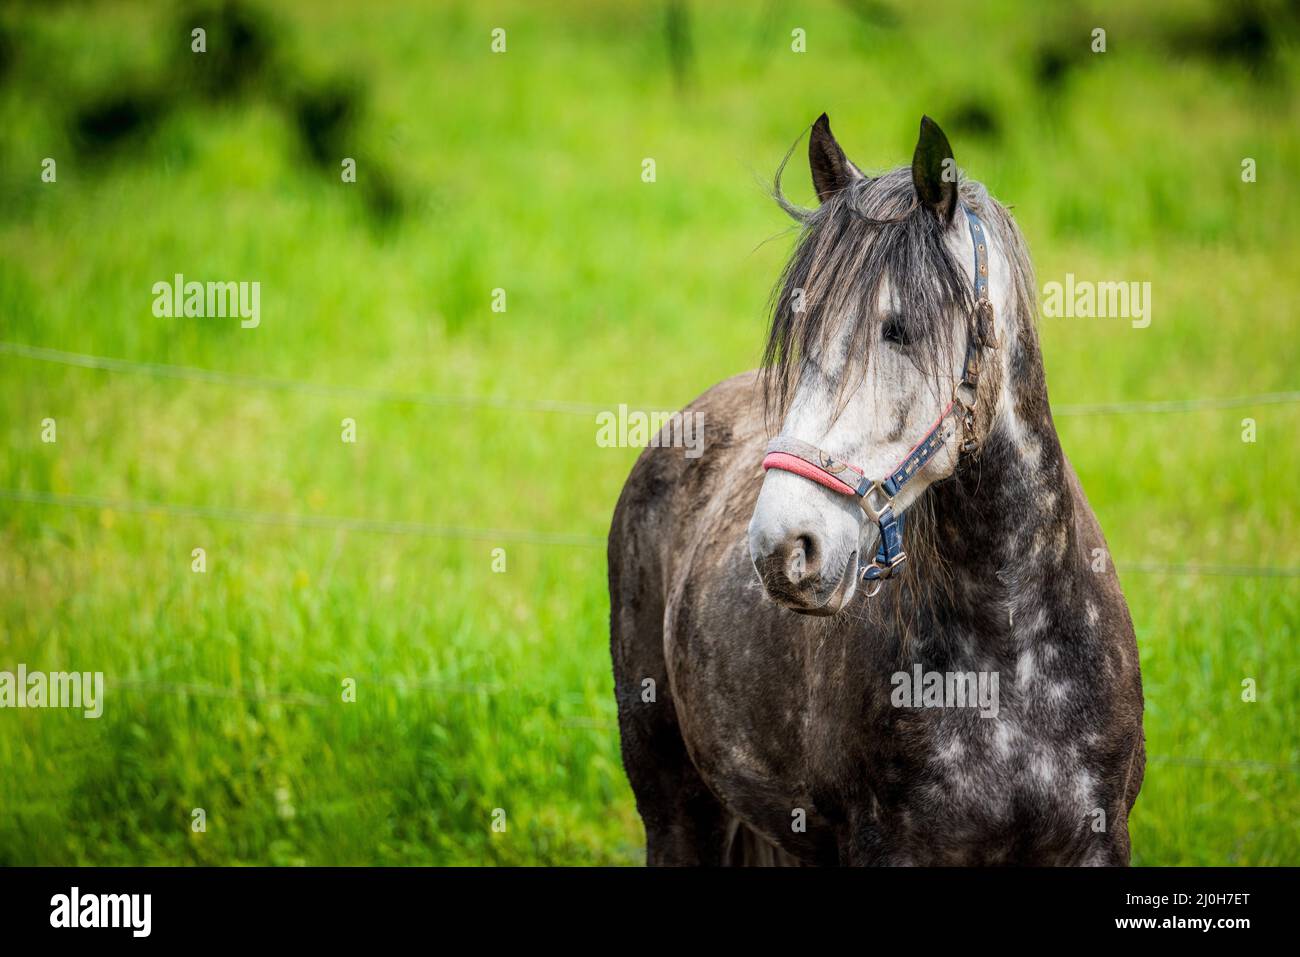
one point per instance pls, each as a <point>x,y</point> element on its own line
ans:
<point>817,666</point>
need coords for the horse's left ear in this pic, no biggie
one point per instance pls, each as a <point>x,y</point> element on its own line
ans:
<point>934,171</point>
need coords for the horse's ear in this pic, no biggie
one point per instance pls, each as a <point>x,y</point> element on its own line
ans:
<point>831,169</point>
<point>934,171</point>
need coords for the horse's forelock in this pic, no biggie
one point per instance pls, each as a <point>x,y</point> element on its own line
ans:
<point>874,231</point>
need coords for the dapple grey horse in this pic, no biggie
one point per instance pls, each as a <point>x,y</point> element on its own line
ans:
<point>804,677</point>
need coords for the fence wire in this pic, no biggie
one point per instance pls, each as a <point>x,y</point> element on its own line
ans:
<point>498,535</point>
<point>216,376</point>
<point>593,722</point>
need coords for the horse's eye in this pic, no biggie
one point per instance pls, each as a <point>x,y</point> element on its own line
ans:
<point>895,330</point>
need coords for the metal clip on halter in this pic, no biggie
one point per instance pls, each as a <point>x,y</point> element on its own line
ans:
<point>877,497</point>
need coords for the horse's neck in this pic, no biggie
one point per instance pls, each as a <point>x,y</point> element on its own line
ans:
<point>1005,524</point>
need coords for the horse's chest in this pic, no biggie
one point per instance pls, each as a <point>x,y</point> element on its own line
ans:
<point>990,790</point>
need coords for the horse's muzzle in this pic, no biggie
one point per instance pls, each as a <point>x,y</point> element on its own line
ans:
<point>793,574</point>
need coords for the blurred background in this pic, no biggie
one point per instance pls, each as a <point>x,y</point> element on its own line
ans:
<point>482,677</point>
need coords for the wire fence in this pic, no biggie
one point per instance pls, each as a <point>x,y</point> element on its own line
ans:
<point>590,722</point>
<point>383,526</point>
<point>400,684</point>
<point>240,380</point>
<point>497,535</point>
<point>248,516</point>
<point>219,377</point>
<point>295,520</point>
<point>1224,764</point>
<point>1193,568</point>
<point>1177,405</point>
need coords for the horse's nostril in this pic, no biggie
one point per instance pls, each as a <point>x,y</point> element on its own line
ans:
<point>795,565</point>
<point>803,559</point>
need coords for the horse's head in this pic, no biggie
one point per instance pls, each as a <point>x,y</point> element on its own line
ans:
<point>871,333</point>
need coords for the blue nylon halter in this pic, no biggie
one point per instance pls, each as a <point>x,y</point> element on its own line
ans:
<point>877,497</point>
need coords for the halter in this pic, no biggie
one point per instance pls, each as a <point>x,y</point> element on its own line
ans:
<point>877,497</point>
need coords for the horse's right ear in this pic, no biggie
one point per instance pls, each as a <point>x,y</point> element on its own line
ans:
<point>934,171</point>
<point>831,169</point>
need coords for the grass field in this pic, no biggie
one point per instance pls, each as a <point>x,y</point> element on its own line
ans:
<point>477,689</point>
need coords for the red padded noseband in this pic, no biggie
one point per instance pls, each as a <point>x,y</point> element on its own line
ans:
<point>792,463</point>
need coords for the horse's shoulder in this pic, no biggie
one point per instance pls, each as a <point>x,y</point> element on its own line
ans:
<point>724,415</point>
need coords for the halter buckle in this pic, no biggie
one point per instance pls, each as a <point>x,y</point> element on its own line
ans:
<point>872,496</point>
<point>968,442</point>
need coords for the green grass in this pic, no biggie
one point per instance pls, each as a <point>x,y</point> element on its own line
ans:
<point>480,690</point>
